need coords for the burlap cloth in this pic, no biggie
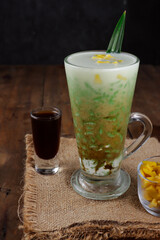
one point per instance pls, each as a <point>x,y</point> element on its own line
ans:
<point>52,210</point>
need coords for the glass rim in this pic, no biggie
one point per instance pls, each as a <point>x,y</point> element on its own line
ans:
<point>137,60</point>
<point>139,165</point>
<point>41,109</point>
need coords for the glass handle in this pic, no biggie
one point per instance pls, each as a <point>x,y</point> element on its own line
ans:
<point>147,131</point>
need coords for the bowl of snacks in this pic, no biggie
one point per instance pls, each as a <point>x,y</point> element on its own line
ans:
<point>149,184</point>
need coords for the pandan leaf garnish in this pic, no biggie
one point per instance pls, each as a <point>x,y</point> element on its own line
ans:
<point>116,41</point>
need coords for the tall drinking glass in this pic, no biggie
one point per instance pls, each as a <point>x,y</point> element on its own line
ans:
<point>101,89</point>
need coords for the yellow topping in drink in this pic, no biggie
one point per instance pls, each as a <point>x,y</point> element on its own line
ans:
<point>101,58</point>
<point>103,61</point>
<point>97,79</point>
<point>119,76</point>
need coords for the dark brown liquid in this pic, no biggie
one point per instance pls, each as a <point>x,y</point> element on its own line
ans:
<point>46,133</point>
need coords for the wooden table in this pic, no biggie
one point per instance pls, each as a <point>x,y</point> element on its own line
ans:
<point>23,88</point>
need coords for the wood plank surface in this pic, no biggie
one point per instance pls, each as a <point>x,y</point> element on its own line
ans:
<point>22,91</point>
<point>23,88</point>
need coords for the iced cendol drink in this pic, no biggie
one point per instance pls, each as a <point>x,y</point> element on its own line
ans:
<point>101,88</point>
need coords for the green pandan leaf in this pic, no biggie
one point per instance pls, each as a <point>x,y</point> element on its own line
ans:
<point>115,43</point>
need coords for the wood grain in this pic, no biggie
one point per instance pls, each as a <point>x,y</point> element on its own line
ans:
<point>20,93</point>
<point>23,88</point>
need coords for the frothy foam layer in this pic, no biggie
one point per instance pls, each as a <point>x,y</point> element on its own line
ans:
<point>101,60</point>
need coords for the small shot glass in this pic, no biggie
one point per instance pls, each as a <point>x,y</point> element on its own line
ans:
<point>149,186</point>
<point>46,127</point>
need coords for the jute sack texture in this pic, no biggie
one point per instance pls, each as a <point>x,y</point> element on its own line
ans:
<point>53,210</point>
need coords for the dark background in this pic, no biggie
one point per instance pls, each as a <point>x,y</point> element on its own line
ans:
<point>45,31</point>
